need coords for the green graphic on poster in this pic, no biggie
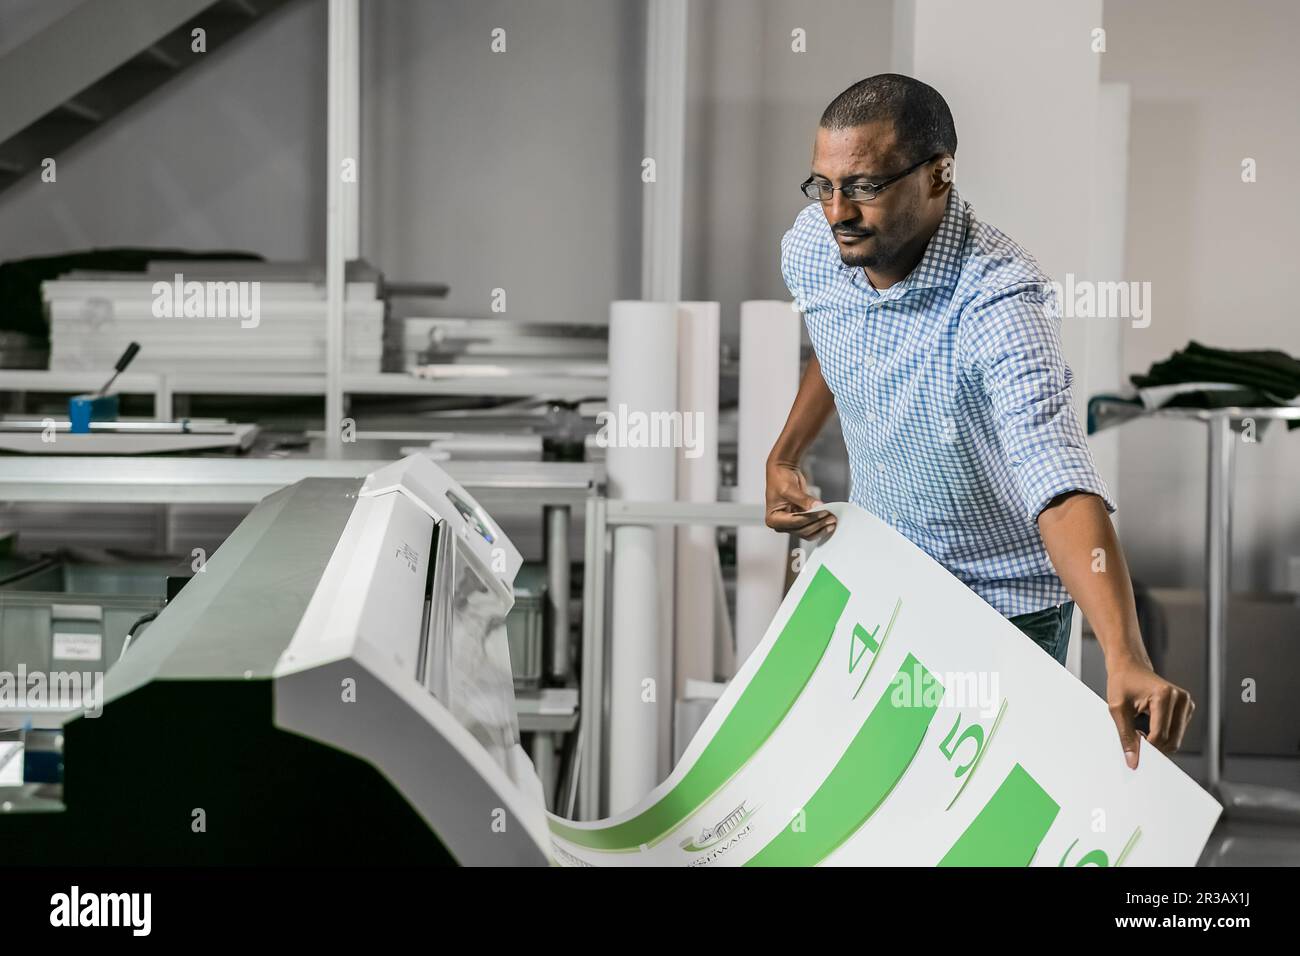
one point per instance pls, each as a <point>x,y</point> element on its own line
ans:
<point>805,761</point>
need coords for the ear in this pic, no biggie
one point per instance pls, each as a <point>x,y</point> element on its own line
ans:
<point>945,171</point>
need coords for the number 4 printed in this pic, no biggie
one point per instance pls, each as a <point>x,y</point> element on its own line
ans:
<point>869,643</point>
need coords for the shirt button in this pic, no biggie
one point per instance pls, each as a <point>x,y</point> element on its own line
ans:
<point>893,517</point>
<point>871,416</point>
<point>868,360</point>
<point>880,467</point>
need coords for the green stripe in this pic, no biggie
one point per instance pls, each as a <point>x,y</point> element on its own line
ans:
<point>870,768</point>
<point>771,693</point>
<point>1009,828</point>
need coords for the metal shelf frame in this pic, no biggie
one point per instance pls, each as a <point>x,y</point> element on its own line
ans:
<point>603,515</point>
<point>1238,799</point>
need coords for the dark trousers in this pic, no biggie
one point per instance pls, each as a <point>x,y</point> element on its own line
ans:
<point>1048,628</point>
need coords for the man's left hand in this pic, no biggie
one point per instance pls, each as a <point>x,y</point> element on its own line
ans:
<point>1133,688</point>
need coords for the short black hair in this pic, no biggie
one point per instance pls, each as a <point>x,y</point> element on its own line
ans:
<point>922,121</point>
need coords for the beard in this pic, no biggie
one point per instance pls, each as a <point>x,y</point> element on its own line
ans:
<point>888,246</point>
<point>865,260</point>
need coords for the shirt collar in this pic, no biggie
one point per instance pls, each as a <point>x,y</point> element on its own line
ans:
<point>940,266</point>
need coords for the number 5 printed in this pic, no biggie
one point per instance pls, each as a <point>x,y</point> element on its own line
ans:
<point>974,732</point>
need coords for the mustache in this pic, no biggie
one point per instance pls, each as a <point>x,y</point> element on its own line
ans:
<point>850,231</point>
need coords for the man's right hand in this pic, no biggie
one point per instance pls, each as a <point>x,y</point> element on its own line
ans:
<point>787,494</point>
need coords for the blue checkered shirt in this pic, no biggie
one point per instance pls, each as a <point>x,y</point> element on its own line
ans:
<point>954,398</point>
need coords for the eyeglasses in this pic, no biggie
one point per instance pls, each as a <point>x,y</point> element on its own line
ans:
<point>855,192</point>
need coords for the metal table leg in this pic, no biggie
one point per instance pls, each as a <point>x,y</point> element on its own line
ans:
<point>557,520</point>
<point>591,711</point>
<point>1218,545</point>
<point>1238,799</point>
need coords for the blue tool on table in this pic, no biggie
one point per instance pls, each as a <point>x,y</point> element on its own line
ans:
<point>99,406</point>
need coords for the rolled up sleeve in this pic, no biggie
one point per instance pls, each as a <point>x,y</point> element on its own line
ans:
<point>796,258</point>
<point>1013,341</point>
<point>809,256</point>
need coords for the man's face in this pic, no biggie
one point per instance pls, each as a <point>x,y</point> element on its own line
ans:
<point>870,234</point>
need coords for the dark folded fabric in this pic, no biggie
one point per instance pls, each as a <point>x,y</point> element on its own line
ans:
<point>1266,370</point>
<point>1267,377</point>
<point>21,308</point>
<point>1221,398</point>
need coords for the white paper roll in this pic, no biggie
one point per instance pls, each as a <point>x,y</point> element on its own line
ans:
<point>697,480</point>
<point>641,465</point>
<point>769,379</point>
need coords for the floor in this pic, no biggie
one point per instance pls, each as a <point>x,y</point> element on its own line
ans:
<point>1239,840</point>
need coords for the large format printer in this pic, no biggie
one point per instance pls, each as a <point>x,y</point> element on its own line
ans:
<point>333,687</point>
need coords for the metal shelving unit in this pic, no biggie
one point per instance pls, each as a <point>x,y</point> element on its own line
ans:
<point>1221,449</point>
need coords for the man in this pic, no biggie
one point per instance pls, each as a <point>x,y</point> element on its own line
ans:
<point>938,340</point>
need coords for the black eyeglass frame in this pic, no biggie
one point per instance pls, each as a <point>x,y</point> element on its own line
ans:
<point>875,188</point>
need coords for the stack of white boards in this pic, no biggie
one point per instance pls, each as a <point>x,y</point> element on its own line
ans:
<point>235,317</point>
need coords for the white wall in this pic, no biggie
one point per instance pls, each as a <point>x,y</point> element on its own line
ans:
<point>1103,372</point>
<point>1022,83</point>
<point>231,153</point>
<point>228,155</point>
<point>1211,84</point>
<point>517,170</point>
<point>753,108</point>
<point>23,19</point>
<point>564,105</point>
